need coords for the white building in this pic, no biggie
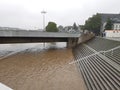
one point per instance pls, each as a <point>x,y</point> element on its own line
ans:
<point>112,33</point>
<point>115,19</point>
<point>116,26</point>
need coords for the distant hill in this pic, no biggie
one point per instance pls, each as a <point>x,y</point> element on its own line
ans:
<point>9,28</point>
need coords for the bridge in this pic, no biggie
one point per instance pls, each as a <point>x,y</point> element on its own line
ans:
<point>24,36</point>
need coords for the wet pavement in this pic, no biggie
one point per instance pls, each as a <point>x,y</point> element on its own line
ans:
<point>33,69</point>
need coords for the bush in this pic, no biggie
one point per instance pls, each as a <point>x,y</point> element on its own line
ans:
<point>51,27</point>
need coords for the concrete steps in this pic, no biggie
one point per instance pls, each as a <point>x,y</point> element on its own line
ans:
<point>100,44</point>
<point>114,56</point>
<point>97,72</point>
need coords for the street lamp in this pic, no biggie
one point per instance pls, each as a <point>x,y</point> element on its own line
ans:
<point>43,12</point>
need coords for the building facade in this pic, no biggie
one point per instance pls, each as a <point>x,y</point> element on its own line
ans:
<point>112,33</point>
<point>115,19</point>
<point>116,26</point>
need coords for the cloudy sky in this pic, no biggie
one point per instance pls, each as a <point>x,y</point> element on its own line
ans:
<point>26,14</point>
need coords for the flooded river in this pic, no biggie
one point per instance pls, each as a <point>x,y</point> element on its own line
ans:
<point>39,67</point>
<point>9,49</point>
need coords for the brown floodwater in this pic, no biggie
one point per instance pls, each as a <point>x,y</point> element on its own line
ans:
<point>44,70</point>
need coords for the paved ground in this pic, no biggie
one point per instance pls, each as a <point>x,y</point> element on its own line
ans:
<point>113,38</point>
<point>47,70</point>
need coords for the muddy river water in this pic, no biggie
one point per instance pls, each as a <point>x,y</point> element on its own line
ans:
<point>39,67</point>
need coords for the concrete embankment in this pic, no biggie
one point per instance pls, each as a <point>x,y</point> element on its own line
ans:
<point>85,37</point>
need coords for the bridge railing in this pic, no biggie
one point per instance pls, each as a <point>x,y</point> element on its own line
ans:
<point>104,52</point>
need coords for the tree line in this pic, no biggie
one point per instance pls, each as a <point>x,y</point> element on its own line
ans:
<point>52,27</point>
<point>92,24</point>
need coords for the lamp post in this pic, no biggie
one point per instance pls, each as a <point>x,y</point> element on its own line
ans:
<point>43,12</point>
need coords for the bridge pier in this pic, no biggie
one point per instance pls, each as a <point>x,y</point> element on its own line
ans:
<point>72,42</point>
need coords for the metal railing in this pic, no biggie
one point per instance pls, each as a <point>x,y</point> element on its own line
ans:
<point>94,54</point>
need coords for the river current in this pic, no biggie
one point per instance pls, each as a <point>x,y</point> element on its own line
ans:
<point>10,49</point>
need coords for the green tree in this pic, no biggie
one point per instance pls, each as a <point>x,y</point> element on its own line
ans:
<point>75,26</point>
<point>109,24</point>
<point>82,27</point>
<point>93,24</point>
<point>51,27</point>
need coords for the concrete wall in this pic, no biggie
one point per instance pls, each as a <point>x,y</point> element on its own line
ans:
<point>72,42</point>
<point>85,37</point>
<point>112,33</point>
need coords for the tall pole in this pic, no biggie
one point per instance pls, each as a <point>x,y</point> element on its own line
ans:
<point>43,12</point>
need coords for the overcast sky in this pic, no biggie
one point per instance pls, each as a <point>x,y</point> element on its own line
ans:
<point>26,14</point>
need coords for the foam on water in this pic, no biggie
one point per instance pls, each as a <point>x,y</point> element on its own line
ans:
<point>10,49</point>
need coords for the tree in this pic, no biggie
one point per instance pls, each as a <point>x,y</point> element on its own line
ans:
<point>51,27</point>
<point>75,27</point>
<point>109,24</point>
<point>61,28</point>
<point>93,24</point>
<point>82,27</point>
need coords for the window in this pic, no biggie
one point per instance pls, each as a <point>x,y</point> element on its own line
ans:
<point>114,27</point>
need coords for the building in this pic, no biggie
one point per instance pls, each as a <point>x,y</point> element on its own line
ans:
<point>115,32</point>
<point>116,24</point>
<point>115,19</point>
<point>112,33</point>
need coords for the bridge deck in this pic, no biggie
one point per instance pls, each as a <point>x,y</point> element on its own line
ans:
<point>25,33</point>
